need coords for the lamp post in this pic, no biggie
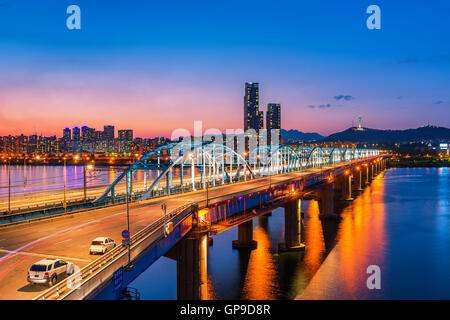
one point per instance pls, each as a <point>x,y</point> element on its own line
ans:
<point>65,182</point>
<point>207,191</point>
<point>84,180</point>
<point>349,198</point>
<point>358,168</point>
<point>24,173</point>
<point>85,167</point>
<point>9,185</point>
<point>129,266</point>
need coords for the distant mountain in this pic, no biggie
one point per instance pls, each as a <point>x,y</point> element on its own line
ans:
<point>295,135</point>
<point>390,136</point>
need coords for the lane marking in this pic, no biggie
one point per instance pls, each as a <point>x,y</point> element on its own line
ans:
<point>51,244</point>
<point>35,242</point>
<point>48,256</point>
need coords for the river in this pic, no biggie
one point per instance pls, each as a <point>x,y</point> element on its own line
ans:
<point>400,223</point>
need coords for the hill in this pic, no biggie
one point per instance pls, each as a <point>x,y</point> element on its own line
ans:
<point>295,135</point>
<point>390,136</point>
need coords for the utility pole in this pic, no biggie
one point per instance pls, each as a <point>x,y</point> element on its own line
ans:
<point>164,208</point>
<point>84,180</point>
<point>9,185</point>
<point>24,173</point>
<point>65,178</point>
<point>207,190</point>
<point>128,266</point>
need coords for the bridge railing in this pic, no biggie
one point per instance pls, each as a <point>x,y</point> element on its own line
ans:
<point>117,257</point>
<point>109,260</point>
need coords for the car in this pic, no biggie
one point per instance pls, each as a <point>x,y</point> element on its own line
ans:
<point>101,245</point>
<point>49,271</point>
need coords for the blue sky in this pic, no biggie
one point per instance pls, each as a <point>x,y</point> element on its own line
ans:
<point>159,65</point>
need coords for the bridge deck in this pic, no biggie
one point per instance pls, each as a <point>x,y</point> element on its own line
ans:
<point>69,237</point>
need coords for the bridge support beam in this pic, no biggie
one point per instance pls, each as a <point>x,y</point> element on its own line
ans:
<point>245,237</point>
<point>292,227</point>
<point>191,255</point>
<point>349,187</point>
<point>326,200</point>
<point>359,178</point>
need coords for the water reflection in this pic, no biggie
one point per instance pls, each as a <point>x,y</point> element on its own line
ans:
<point>260,281</point>
<point>400,223</point>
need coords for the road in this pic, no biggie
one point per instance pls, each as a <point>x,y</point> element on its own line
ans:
<point>21,200</point>
<point>69,237</point>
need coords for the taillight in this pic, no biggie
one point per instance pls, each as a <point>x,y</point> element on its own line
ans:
<point>46,275</point>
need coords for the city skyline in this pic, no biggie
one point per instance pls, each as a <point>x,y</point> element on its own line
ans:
<point>323,66</point>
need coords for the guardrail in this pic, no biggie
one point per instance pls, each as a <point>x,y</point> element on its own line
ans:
<point>117,257</point>
<point>56,207</point>
<point>112,258</point>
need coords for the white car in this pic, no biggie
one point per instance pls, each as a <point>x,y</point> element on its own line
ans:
<point>101,245</point>
<point>49,271</point>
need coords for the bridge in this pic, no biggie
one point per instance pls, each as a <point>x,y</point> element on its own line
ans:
<point>206,188</point>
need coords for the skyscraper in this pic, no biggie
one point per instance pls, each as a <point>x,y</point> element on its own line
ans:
<point>125,135</point>
<point>253,118</point>
<point>76,133</point>
<point>273,120</point>
<point>67,134</point>
<point>108,132</point>
<point>273,116</point>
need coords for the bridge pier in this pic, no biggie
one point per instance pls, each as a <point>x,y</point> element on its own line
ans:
<point>245,237</point>
<point>349,178</point>
<point>191,254</point>
<point>340,188</point>
<point>359,178</point>
<point>326,196</point>
<point>293,226</point>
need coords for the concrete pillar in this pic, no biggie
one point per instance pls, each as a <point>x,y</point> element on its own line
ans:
<point>263,221</point>
<point>292,227</point>
<point>348,186</point>
<point>359,178</point>
<point>191,256</point>
<point>245,237</point>
<point>367,174</point>
<point>326,200</point>
<point>338,189</point>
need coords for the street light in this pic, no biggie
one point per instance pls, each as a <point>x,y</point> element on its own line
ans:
<point>347,172</point>
<point>65,182</point>
<point>358,168</point>
<point>89,167</point>
<point>207,190</point>
<point>129,266</point>
<point>9,185</point>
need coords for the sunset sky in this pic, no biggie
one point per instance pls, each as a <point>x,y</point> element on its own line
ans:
<point>154,66</point>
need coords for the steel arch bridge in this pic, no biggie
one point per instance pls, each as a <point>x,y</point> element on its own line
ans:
<point>187,166</point>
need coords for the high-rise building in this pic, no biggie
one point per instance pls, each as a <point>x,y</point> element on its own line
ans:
<point>108,132</point>
<point>125,140</point>
<point>76,134</point>
<point>253,118</point>
<point>273,121</point>
<point>273,116</point>
<point>87,134</point>
<point>125,135</point>
<point>67,134</point>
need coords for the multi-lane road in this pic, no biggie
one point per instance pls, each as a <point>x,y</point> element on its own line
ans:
<point>69,237</point>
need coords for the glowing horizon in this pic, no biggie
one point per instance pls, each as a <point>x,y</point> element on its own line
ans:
<point>163,66</point>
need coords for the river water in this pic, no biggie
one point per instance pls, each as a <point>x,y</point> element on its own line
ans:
<point>401,224</point>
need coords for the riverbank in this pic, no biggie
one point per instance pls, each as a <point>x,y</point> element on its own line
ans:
<point>420,162</point>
